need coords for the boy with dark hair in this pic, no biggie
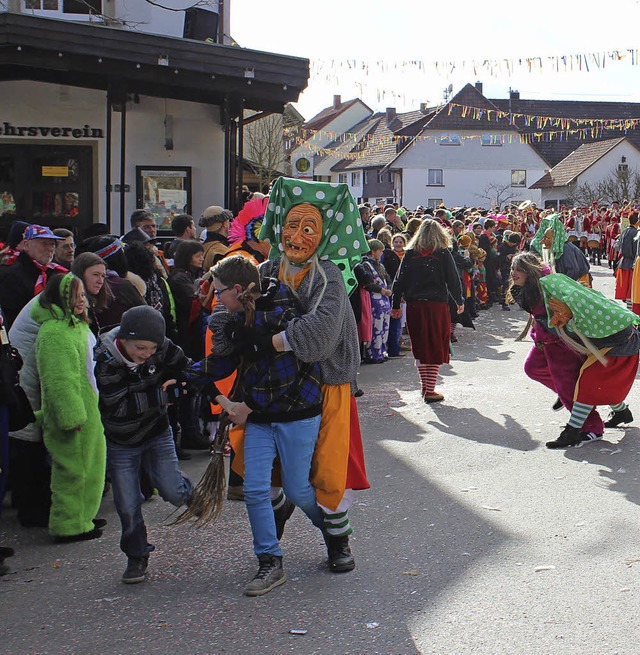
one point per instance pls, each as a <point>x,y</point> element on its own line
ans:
<point>135,365</point>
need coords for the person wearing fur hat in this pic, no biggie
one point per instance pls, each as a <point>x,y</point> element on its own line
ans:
<point>216,244</point>
<point>69,415</point>
<point>135,366</point>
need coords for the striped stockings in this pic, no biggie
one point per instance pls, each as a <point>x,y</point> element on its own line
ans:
<point>428,376</point>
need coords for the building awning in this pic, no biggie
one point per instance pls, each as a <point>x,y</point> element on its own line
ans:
<point>95,56</point>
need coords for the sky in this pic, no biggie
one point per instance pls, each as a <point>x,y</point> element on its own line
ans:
<point>331,33</point>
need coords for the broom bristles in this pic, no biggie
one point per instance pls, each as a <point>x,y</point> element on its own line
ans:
<point>207,499</point>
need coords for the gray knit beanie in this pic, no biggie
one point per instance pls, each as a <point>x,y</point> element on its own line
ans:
<point>142,323</point>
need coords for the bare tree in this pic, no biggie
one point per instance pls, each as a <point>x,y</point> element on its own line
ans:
<point>498,194</point>
<point>618,185</point>
<point>264,148</point>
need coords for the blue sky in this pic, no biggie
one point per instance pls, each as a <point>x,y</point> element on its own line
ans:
<point>460,31</point>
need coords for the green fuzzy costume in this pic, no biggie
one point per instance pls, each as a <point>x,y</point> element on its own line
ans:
<point>69,400</point>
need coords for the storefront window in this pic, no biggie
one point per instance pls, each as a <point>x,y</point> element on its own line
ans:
<point>7,186</point>
<point>164,191</point>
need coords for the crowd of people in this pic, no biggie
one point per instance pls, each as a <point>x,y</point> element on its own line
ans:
<point>131,348</point>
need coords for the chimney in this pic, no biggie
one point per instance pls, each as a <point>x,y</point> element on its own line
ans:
<point>478,86</point>
<point>391,115</point>
<point>514,95</point>
<point>337,101</point>
<point>424,107</point>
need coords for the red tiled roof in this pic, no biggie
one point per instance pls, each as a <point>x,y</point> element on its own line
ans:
<point>323,118</point>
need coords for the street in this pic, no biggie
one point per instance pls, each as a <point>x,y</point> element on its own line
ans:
<point>474,539</point>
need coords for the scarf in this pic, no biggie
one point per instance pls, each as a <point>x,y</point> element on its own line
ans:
<point>41,282</point>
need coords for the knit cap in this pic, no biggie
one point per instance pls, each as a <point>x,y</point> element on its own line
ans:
<point>142,323</point>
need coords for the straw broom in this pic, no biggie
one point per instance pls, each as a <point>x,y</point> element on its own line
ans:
<point>207,500</point>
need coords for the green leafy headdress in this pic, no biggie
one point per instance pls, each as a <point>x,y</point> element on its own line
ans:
<point>343,239</point>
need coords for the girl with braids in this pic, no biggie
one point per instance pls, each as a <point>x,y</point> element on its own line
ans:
<point>592,362</point>
<point>283,397</point>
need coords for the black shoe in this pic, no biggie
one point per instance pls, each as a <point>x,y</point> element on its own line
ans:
<point>340,557</point>
<point>270,575</point>
<point>359,392</point>
<point>99,523</point>
<point>618,418</point>
<point>282,515</point>
<point>506,308</point>
<point>557,405</point>
<point>182,454</point>
<point>136,570</point>
<point>4,554</point>
<point>96,533</point>
<point>569,436</point>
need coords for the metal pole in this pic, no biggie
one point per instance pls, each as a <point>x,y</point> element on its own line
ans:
<point>123,141</point>
<point>227,150</point>
<point>107,162</point>
<point>240,153</point>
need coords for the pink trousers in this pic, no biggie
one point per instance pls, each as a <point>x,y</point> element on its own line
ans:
<point>558,367</point>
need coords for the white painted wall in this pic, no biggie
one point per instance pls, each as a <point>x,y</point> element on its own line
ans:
<point>197,135</point>
<point>467,170</point>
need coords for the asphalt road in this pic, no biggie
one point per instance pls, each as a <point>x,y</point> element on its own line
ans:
<point>473,540</point>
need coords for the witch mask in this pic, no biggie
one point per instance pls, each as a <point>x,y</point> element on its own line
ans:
<point>301,233</point>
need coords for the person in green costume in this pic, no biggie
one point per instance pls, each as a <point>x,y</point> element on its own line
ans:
<point>70,418</point>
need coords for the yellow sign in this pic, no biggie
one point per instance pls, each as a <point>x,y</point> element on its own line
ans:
<point>55,171</point>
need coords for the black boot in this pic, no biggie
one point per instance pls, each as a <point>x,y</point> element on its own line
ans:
<point>618,418</point>
<point>569,436</point>
<point>282,515</point>
<point>340,557</point>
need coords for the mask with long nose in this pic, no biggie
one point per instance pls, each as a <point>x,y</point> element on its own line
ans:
<point>301,233</point>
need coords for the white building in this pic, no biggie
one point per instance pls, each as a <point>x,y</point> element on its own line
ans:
<point>98,119</point>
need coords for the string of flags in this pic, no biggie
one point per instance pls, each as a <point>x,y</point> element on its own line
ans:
<point>567,63</point>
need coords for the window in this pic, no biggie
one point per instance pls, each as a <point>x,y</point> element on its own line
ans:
<point>365,176</point>
<point>450,140</point>
<point>434,202</point>
<point>491,139</point>
<point>434,177</point>
<point>66,6</point>
<point>623,168</point>
<point>355,178</point>
<point>49,5</point>
<point>342,178</point>
<point>518,178</point>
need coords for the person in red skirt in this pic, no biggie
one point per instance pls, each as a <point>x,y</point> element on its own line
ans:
<point>426,278</point>
<point>627,257</point>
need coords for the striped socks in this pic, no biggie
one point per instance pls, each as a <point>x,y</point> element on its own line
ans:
<point>428,377</point>
<point>620,407</point>
<point>579,414</point>
<point>338,524</point>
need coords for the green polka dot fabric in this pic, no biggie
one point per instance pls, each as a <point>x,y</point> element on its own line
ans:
<point>594,314</point>
<point>343,241</point>
<point>559,235</point>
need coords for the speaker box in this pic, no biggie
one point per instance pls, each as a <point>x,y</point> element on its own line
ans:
<point>201,25</point>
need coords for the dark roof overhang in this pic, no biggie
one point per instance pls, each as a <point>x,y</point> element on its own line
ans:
<point>94,56</point>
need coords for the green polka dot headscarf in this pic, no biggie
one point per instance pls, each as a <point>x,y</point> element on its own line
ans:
<point>595,315</point>
<point>559,235</point>
<point>343,240</point>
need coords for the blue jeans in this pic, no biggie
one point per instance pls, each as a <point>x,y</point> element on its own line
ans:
<point>158,458</point>
<point>294,443</point>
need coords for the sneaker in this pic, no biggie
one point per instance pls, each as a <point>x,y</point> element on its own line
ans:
<point>136,570</point>
<point>282,515</point>
<point>569,436</point>
<point>339,552</point>
<point>618,418</point>
<point>235,492</point>
<point>588,437</point>
<point>270,575</point>
<point>432,397</point>
<point>99,523</point>
<point>506,308</point>
<point>557,406</point>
